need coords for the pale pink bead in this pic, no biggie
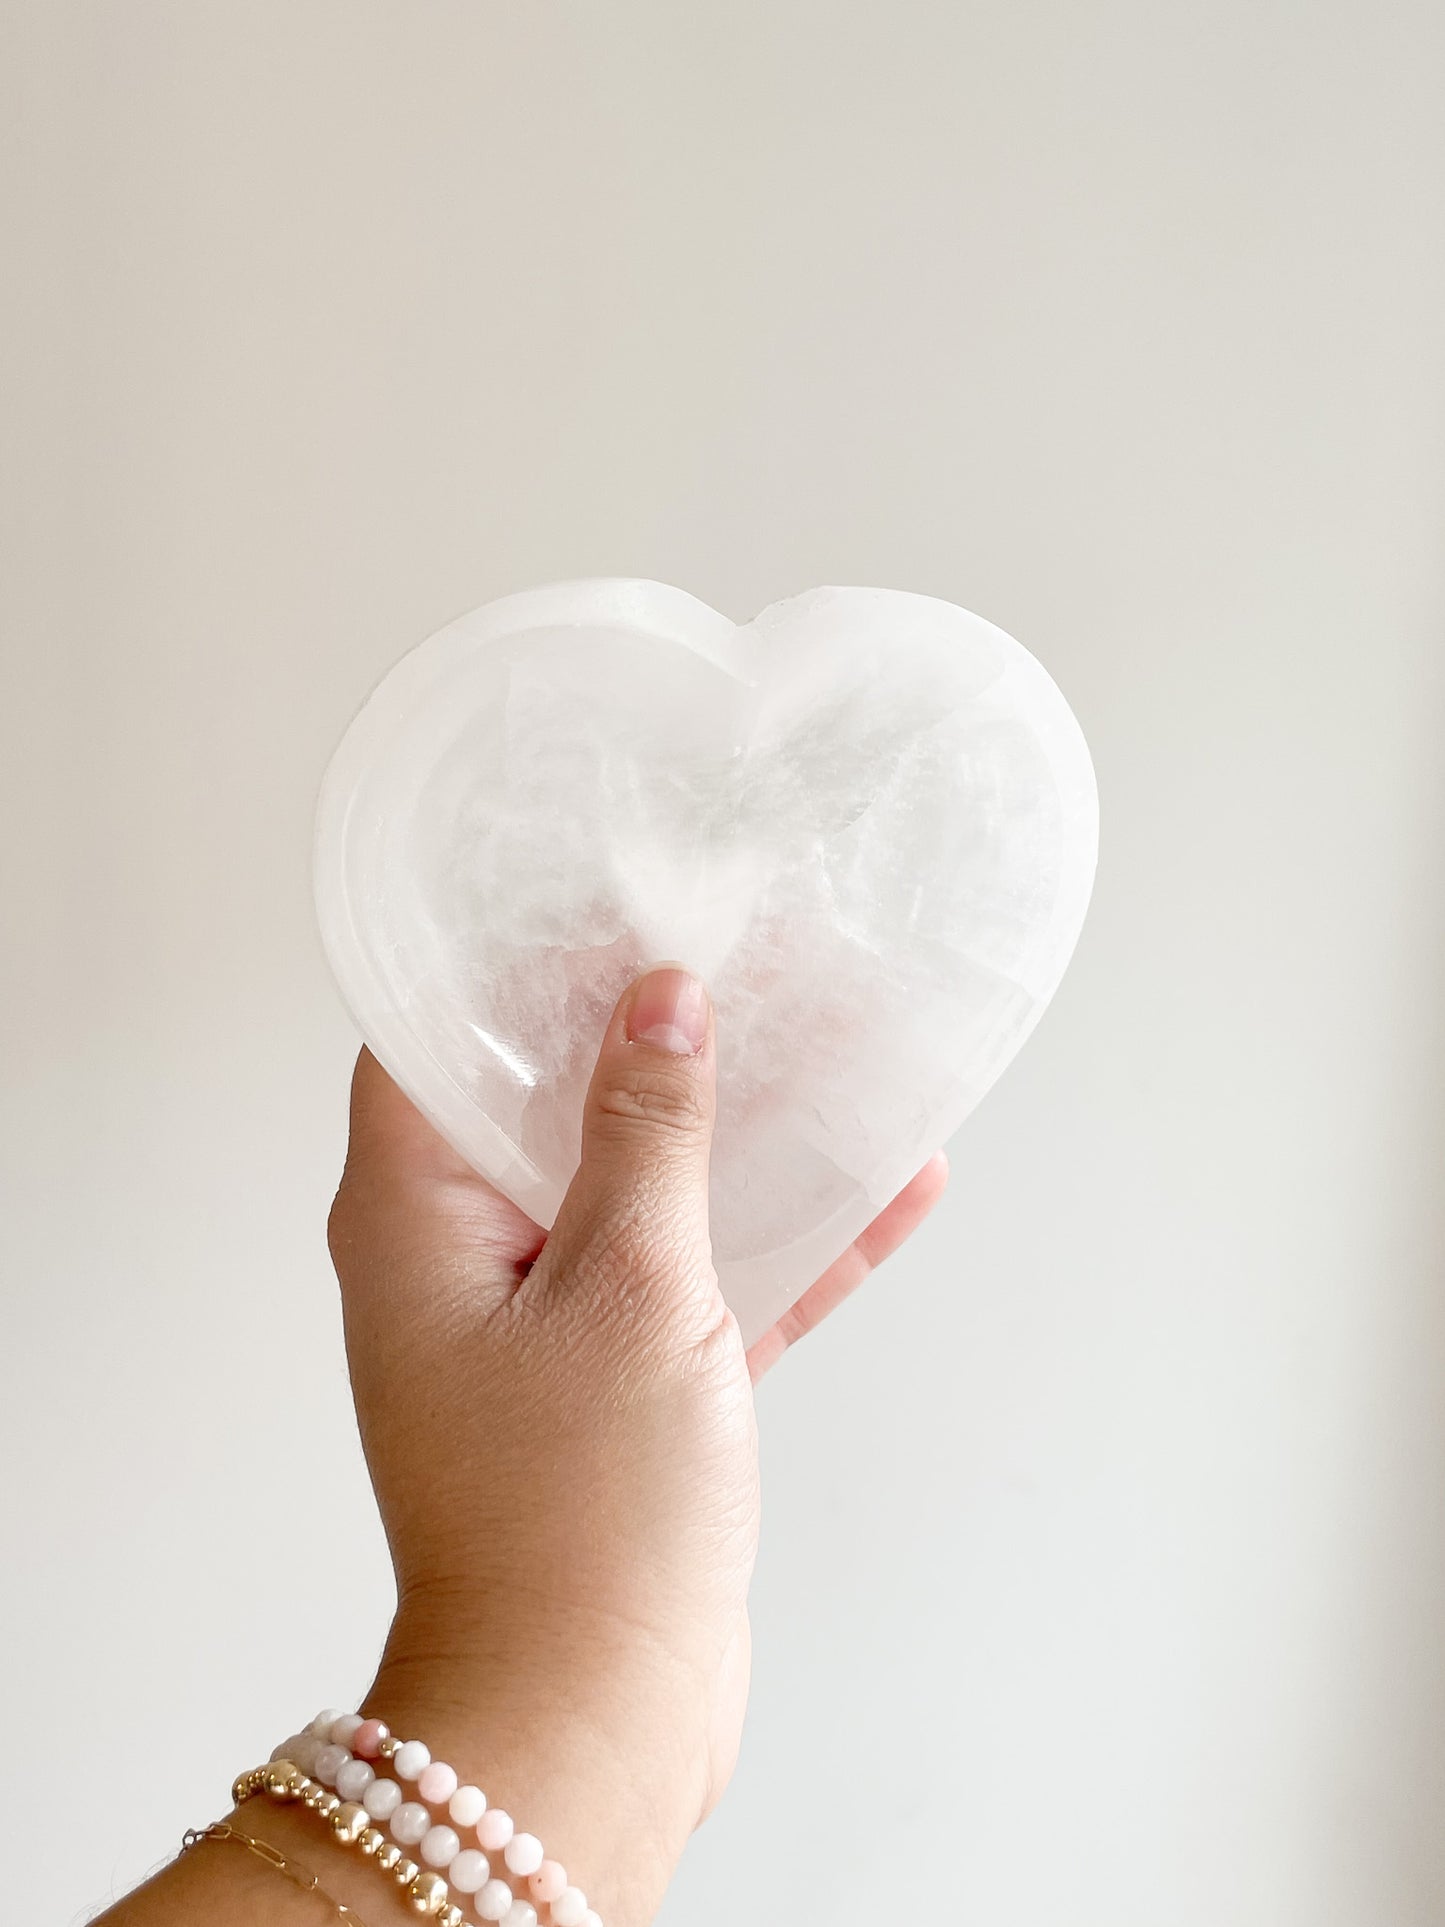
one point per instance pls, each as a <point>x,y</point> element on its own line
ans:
<point>321,1725</point>
<point>440,1846</point>
<point>467,1805</point>
<point>521,1913</point>
<point>410,1760</point>
<point>547,1882</point>
<point>307,1749</point>
<point>569,1909</point>
<point>591,1919</point>
<point>354,1778</point>
<point>366,1741</point>
<point>495,1829</point>
<point>344,1729</point>
<point>410,1823</point>
<point>524,1853</point>
<point>287,1749</point>
<point>436,1783</point>
<point>329,1762</point>
<point>494,1901</point>
<point>469,1871</point>
<point>381,1799</point>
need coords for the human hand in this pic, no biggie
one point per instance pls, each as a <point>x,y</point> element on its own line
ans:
<point>560,1431</point>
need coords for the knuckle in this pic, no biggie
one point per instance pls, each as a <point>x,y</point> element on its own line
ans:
<point>340,1223</point>
<point>655,1101</point>
<point>358,1212</point>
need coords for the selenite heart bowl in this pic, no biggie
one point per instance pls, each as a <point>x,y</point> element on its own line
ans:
<point>867,819</point>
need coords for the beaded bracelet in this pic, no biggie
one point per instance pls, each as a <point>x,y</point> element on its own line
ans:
<point>339,1749</point>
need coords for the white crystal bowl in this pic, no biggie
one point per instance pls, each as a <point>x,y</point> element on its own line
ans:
<point>867,819</point>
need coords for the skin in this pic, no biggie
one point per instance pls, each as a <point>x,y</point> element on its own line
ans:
<point>560,1431</point>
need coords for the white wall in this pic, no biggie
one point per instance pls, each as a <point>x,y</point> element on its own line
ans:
<point>1105,1542</point>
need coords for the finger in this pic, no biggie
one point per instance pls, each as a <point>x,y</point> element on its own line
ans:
<point>896,1222</point>
<point>633,1227</point>
<point>406,1193</point>
<point>387,1127</point>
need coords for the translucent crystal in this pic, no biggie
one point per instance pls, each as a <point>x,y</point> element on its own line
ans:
<point>867,819</point>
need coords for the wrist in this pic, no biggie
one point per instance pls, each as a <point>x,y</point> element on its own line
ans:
<point>583,1736</point>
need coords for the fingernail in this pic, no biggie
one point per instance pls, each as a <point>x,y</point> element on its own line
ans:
<point>669,1011</point>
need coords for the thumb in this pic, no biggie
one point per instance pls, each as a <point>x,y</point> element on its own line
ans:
<point>633,1228</point>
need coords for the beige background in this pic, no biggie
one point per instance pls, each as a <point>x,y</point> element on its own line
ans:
<point>1104,1559</point>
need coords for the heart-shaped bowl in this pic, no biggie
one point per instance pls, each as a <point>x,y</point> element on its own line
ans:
<point>867,819</point>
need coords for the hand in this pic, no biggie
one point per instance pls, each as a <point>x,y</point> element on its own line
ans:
<point>560,1431</point>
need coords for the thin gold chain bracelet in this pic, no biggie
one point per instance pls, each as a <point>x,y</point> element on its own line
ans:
<point>273,1857</point>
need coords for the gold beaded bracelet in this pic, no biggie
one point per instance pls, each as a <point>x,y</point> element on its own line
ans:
<point>273,1857</point>
<point>351,1824</point>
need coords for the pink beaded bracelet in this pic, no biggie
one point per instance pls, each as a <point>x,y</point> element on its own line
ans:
<point>339,1750</point>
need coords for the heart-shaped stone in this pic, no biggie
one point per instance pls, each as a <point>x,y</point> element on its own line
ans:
<point>867,819</point>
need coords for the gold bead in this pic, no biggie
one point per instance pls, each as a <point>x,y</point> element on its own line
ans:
<point>328,1804</point>
<point>280,1779</point>
<point>240,1789</point>
<point>428,1893</point>
<point>313,1796</point>
<point>371,1840</point>
<point>388,1746</point>
<point>451,1916</point>
<point>349,1821</point>
<point>405,1871</point>
<point>388,1855</point>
